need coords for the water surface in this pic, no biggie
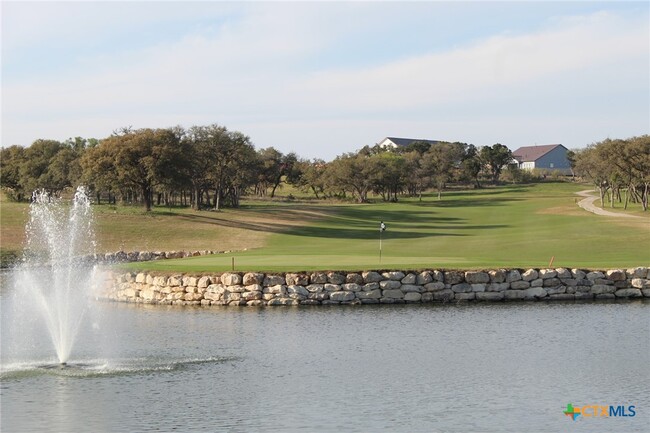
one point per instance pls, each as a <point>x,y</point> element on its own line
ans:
<point>404,368</point>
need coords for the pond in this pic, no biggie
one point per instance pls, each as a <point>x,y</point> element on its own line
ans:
<point>454,368</point>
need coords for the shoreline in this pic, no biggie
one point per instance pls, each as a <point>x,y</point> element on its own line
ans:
<point>371,287</point>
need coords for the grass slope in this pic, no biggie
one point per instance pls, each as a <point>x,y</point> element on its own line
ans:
<point>513,226</point>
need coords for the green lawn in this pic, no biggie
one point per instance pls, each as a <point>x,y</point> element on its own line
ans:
<point>513,226</point>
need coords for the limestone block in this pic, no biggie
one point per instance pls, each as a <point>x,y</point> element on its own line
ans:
<point>479,287</point>
<point>393,294</point>
<point>555,290</point>
<point>563,273</point>
<point>434,286</point>
<point>461,288</point>
<point>497,287</point>
<point>490,296</point>
<point>204,282</point>
<point>393,275</point>
<point>473,277</point>
<point>513,275</point>
<point>497,275</point>
<point>409,279</point>
<point>465,296</point>
<point>298,290</point>
<point>278,289</point>
<point>624,293</point>
<point>371,277</point>
<point>354,278</point>
<point>351,287</point>
<point>545,274</point>
<point>335,278</point>
<point>424,278</point>
<point>131,293</point>
<point>160,281</point>
<point>583,295</point>
<point>370,286</point>
<point>251,278</point>
<point>443,295</point>
<point>537,283</point>
<point>231,279</point>
<point>274,280</point>
<point>615,275</point>
<point>319,296</point>
<point>149,279</point>
<point>144,256</point>
<point>412,297</point>
<point>552,282</point>
<point>318,278</point>
<point>598,289</point>
<point>637,272</point>
<point>411,288</point>
<point>510,295</point>
<point>372,294</point>
<point>595,275</point>
<point>332,287</point>
<point>438,276</point>
<point>519,285</point>
<point>640,283</point>
<point>578,274</point>
<point>646,293</point>
<point>236,289</point>
<point>190,281</point>
<point>534,293</point>
<point>390,284</point>
<point>454,277</point>
<point>530,275</point>
<point>150,295</point>
<point>141,278</point>
<point>297,279</point>
<point>254,288</point>
<point>255,303</point>
<point>342,296</point>
<point>175,280</point>
<point>315,288</point>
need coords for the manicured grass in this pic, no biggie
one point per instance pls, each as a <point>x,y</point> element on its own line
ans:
<point>513,226</point>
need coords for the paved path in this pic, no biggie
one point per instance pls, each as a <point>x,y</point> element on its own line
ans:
<point>587,204</point>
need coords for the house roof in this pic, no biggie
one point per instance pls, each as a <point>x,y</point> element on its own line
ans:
<point>406,141</point>
<point>533,153</point>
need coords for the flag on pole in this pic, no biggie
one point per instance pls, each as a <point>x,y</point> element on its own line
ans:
<point>382,227</point>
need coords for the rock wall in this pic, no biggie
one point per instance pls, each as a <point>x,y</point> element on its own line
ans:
<point>391,287</point>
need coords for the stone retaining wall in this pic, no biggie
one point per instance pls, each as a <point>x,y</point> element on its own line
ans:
<point>144,256</point>
<point>390,287</point>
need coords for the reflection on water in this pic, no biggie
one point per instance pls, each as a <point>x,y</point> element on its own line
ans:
<point>457,368</point>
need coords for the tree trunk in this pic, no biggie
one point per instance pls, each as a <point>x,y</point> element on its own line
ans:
<point>146,195</point>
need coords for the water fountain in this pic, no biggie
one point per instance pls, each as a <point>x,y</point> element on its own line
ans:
<point>56,276</point>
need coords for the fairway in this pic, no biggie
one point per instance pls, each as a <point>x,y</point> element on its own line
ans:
<point>511,226</point>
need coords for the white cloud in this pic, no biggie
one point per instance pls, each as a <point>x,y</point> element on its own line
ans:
<point>257,72</point>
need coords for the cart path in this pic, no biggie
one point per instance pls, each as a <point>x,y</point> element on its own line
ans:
<point>587,204</point>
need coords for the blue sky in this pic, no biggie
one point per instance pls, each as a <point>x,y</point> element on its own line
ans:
<point>323,78</point>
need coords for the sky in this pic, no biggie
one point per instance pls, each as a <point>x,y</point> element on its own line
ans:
<point>324,78</point>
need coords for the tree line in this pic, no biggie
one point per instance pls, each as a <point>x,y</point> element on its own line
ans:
<point>619,169</point>
<point>212,167</point>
